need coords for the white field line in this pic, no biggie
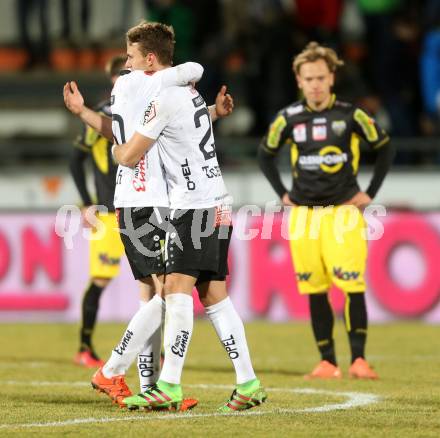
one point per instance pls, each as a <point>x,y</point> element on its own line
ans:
<point>354,399</point>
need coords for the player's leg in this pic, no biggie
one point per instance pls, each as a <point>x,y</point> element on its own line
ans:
<point>145,259</point>
<point>167,394</point>
<point>105,256</point>
<point>231,333</point>
<point>148,362</point>
<point>312,280</point>
<point>346,255</point>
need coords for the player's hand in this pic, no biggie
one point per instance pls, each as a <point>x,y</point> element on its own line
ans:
<point>73,98</point>
<point>88,215</point>
<point>359,200</point>
<point>286,200</point>
<point>224,103</point>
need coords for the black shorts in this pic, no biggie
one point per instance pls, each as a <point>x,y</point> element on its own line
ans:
<point>197,243</point>
<point>143,231</point>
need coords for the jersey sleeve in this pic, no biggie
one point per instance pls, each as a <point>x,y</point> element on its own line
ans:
<point>182,74</point>
<point>276,135</point>
<point>368,129</point>
<point>156,116</point>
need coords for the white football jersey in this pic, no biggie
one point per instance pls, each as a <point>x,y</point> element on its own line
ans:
<point>179,119</point>
<point>145,185</point>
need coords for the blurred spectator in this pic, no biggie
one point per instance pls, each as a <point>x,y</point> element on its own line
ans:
<point>390,35</point>
<point>66,19</point>
<point>181,17</point>
<point>319,19</point>
<point>430,68</point>
<point>38,50</point>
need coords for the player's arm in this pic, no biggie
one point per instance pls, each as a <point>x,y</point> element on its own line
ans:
<point>267,153</point>
<point>182,74</point>
<point>367,128</point>
<point>129,154</point>
<point>74,102</point>
<point>154,120</point>
<point>76,166</point>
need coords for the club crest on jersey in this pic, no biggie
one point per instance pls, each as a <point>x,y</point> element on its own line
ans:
<point>339,127</point>
<point>300,132</point>
<point>112,99</point>
<point>149,113</point>
<point>319,132</point>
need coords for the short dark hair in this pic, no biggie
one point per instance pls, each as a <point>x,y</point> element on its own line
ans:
<point>157,38</point>
<point>115,64</point>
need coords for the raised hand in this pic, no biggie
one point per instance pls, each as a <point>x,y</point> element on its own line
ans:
<point>224,103</point>
<point>73,98</point>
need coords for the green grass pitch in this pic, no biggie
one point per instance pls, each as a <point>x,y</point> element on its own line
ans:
<point>44,394</point>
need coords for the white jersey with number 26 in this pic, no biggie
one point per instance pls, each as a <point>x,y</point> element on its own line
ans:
<point>180,123</point>
<point>145,185</point>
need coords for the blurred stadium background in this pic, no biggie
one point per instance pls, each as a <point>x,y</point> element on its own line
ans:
<point>392,68</point>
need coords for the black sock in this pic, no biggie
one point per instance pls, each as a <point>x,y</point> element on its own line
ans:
<point>322,323</point>
<point>356,323</point>
<point>90,306</point>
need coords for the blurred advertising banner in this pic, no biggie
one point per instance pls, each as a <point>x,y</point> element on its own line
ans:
<point>42,277</point>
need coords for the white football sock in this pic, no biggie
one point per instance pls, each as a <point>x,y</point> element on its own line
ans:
<point>144,323</point>
<point>179,321</point>
<point>230,330</point>
<point>148,363</point>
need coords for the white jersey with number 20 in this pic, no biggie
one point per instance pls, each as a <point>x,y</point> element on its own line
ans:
<point>145,185</point>
<point>180,123</point>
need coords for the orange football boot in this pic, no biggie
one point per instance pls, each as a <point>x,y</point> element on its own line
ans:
<point>115,387</point>
<point>325,370</point>
<point>360,369</point>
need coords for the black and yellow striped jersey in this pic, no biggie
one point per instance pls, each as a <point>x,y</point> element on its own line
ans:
<point>324,149</point>
<point>91,144</point>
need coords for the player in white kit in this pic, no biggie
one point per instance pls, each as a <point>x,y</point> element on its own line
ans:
<point>178,125</point>
<point>149,49</point>
<point>137,191</point>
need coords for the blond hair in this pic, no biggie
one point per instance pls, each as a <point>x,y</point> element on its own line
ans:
<point>313,52</point>
<point>156,38</point>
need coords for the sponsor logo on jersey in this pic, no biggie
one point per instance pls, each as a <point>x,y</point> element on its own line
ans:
<point>345,275</point>
<point>230,347</point>
<point>330,159</point>
<point>105,259</point>
<point>212,171</point>
<point>180,344</point>
<point>139,178</point>
<point>319,132</point>
<point>303,276</point>
<point>339,127</point>
<point>292,110</point>
<point>319,121</point>
<point>300,132</point>
<point>198,101</point>
<point>186,172</point>
<point>124,343</point>
<point>112,99</point>
<point>149,113</point>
